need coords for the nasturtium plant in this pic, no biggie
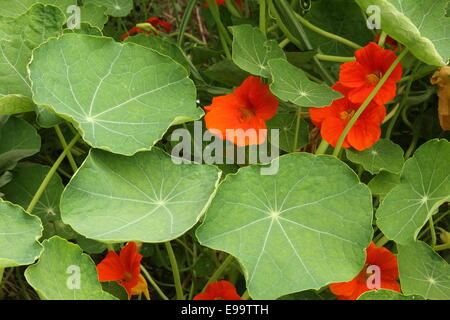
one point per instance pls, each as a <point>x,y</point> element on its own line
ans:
<point>224,150</point>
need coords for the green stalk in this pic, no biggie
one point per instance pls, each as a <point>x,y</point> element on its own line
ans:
<point>262,16</point>
<point>175,271</point>
<point>323,147</point>
<point>50,174</point>
<point>442,247</point>
<point>185,20</point>
<point>63,142</point>
<point>433,232</point>
<point>225,39</point>
<point>232,8</point>
<point>297,127</point>
<point>326,57</point>
<point>219,271</point>
<point>382,242</point>
<point>327,34</point>
<point>366,103</point>
<point>153,283</point>
<point>382,39</point>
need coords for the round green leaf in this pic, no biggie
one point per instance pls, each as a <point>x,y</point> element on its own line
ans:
<point>421,25</point>
<point>19,232</point>
<point>18,140</point>
<point>291,84</point>
<point>252,51</point>
<point>383,294</point>
<point>14,8</point>
<point>146,197</point>
<point>64,272</point>
<point>423,271</point>
<point>383,182</point>
<point>115,8</point>
<point>122,97</point>
<point>94,15</point>
<point>302,228</point>
<point>424,186</point>
<point>383,155</point>
<point>286,123</point>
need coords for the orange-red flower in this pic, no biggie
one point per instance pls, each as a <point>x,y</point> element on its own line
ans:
<point>379,257</point>
<point>239,117</point>
<point>362,75</point>
<point>332,120</point>
<point>157,23</point>
<point>391,43</point>
<point>220,290</point>
<point>125,269</point>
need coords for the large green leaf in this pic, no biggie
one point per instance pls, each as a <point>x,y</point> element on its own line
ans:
<point>252,51</point>
<point>94,15</point>
<point>20,36</point>
<point>302,228</point>
<point>146,197</point>
<point>115,8</point>
<point>14,8</point>
<point>27,180</point>
<point>64,272</point>
<point>383,294</point>
<point>19,232</point>
<point>423,271</point>
<point>291,84</point>
<point>425,185</point>
<point>122,97</point>
<point>420,25</point>
<point>18,140</point>
<point>383,155</point>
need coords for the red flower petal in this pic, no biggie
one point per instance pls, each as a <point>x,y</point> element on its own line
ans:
<point>220,290</point>
<point>110,269</point>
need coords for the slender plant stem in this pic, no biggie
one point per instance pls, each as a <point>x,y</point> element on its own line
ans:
<point>284,43</point>
<point>1,276</point>
<point>366,103</point>
<point>153,283</point>
<point>297,127</point>
<point>216,275</point>
<point>223,33</point>
<point>322,148</point>
<point>433,232</point>
<point>398,111</point>
<point>262,16</point>
<point>442,247</point>
<point>435,222</point>
<point>175,271</point>
<point>382,39</point>
<point>327,34</point>
<point>232,8</point>
<point>50,174</point>
<point>63,142</point>
<point>188,35</point>
<point>185,20</point>
<point>326,57</point>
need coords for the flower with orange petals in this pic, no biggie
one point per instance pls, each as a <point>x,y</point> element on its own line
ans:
<point>220,290</point>
<point>332,120</point>
<point>387,264</point>
<point>239,117</point>
<point>125,269</point>
<point>362,75</point>
<point>157,23</point>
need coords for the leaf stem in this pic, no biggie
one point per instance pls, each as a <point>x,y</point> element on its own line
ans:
<point>322,148</point>
<point>175,271</point>
<point>433,232</point>
<point>63,142</point>
<point>442,247</point>
<point>185,20</point>
<point>262,16</point>
<point>326,57</point>
<point>153,283</point>
<point>219,271</point>
<point>297,127</point>
<point>366,103</point>
<point>382,39</point>
<point>50,174</point>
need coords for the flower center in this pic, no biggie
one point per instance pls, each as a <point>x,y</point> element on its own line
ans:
<point>247,114</point>
<point>373,78</point>
<point>127,277</point>
<point>346,115</point>
<point>219,298</point>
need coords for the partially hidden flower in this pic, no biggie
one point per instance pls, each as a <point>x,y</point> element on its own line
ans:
<point>362,76</point>
<point>157,23</point>
<point>384,261</point>
<point>125,269</point>
<point>389,42</point>
<point>222,2</point>
<point>332,120</point>
<point>220,290</point>
<point>239,117</point>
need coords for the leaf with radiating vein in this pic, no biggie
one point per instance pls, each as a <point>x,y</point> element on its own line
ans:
<point>383,155</point>
<point>302,228</point>
<point>64,272</point>
<point>115,8</point>
<point>18,140</point>
<point>252,51</point>
<point>122,97</point>
<point>19,232</point>
<point>421,25</point>
<point>19,36</point>
<point>423,271</point>
<point>146,197</point>
<point>291,84</point>
<point>383,294</point>
<point>425,185</point>
<point>14,8</point>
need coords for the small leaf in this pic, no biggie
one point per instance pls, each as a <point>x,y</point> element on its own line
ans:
<point>303,228</point>
<point>291,84</point>
<point>424,186</point>
<point>252,51</point>
<point>64,272</point>
<point>115,8</point>
<point>383,182</point>
<point>19,232</point>
<point>226,72</point>
<point>286,124</point>
<point>16,103</point>
<point>383,294</point>
<point>383,155</point>
<point>145,197</point>
<point>423,272</point>
<point>94,15</point>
